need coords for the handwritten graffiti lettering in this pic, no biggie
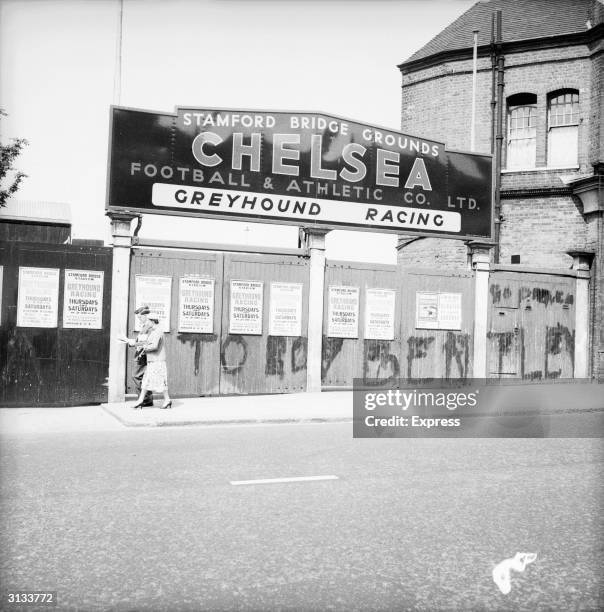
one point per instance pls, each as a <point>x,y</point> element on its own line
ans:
<point>331,349</point>
<point>276,347</point>
<point>299,354</point>
<point>233,354</point>
<point>196,340</point>
<point>559,341</point>
<point>418,348</point>
<point>456,348</point>
<point>380,364</point>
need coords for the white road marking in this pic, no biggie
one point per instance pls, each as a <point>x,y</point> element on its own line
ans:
<point>276,480</point>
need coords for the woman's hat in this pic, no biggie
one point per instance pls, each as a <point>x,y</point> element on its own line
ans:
<point>142,310</point>
<point>153,316</point>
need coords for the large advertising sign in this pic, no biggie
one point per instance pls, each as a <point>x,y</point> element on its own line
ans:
<point>295,168</point>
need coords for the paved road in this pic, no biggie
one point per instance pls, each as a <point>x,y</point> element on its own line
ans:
<point>148,520</point>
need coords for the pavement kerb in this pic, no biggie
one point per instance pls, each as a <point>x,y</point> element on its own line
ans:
<point>153,422</point>
<point>239,410</point>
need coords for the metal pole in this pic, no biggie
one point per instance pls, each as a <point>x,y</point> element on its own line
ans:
<point>499,134</point>
<point>474,70</point>
<point>117,81</point>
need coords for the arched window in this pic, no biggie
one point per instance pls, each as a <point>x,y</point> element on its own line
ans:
<point>563,128</point>
<point>522,131</point>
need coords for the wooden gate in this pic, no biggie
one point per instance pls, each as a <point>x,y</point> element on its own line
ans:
<point>531,325</point>
<point>344,359</point>
<point>193,359</point>
<point>59,365</point>
<point>444,351</point>
<point>219,362</point>
<point>415,352</point>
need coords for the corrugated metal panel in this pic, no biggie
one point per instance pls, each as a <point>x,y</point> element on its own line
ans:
<point>344,359</point>
<point>193,359</point>
<point>437,353</point>
<point>35,210</point>
<point>263,363</point>
<point>537,342</point>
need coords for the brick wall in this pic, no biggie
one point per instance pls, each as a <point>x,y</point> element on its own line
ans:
<point>541,230</point>
<point>437,101</point>
<point>596,141</point>
<point>541,219</point>
<point>441,254</point>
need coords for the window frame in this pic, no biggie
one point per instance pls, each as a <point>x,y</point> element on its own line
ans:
<point>571,118</point>
<point>521,102</point>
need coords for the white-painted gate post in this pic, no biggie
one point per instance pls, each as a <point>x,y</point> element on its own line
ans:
<point>480,258</point>
<point>581,264</point>
<point>315,243</point>
<point>120,283</point>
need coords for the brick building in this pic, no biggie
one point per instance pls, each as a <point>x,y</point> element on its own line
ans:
<point>546,63</point>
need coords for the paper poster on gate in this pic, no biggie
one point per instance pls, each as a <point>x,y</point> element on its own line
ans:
<point>196,305</point>
<point>285,313</point>
<point>426,311</point>
<point>449,311</point>
<point>379,314</point>
<point>155,292</point>
<point>245,315</point>
<point>83,299</point>
<point>38,297</point>
<point>343,312</point>
<point>438,310</point>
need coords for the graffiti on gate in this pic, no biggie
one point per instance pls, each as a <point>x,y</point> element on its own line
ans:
<point>196,340</point>
<point>545,296</point>
<point>541,295</point>
<point>299,354</point>
<point>457,349</point>
<point>559,342</point>
<point>379,364</point>
<point>20,366</point>
<point>503,343</point>
<point>233,354</point>
<point>423,349</point>
<point>330,349</point>
<point>276,354</point>
<point>497,293</point>
<point>418,347</point>
<point>559,348</point>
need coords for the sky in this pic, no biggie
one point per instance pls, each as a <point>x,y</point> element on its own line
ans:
<point>60,72</point>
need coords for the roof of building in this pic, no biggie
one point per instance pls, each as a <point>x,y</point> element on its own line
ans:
<point>521,20</point>
<point>36,211</point>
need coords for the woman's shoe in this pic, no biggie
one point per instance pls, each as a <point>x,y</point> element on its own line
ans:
<point>138,405</point>
<point>167,405</point>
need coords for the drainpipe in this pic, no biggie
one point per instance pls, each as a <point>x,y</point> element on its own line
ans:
<point>493,82</point>
<point>474,71</point>
<point>499,133</point>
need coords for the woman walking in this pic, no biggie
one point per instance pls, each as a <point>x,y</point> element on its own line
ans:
<point>156,374</point>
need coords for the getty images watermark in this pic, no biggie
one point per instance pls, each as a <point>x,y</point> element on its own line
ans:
<point>477,408</point>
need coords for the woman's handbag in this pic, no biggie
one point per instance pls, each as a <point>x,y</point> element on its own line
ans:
<point>141,357</point>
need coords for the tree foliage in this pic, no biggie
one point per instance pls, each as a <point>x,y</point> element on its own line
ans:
<point>12,177</point>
